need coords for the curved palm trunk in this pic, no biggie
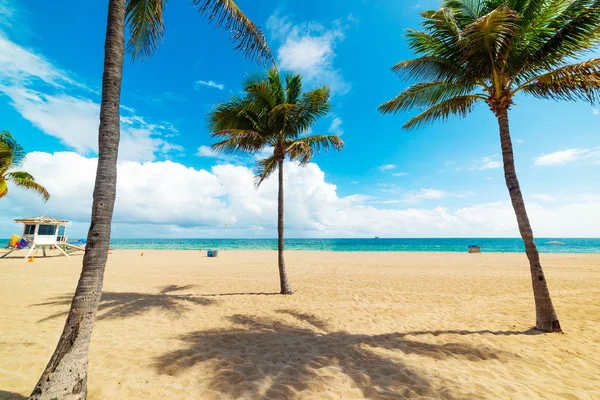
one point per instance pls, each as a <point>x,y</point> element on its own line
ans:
<point>285,285</point>
<point>546,319</point>
<point>65,376</point>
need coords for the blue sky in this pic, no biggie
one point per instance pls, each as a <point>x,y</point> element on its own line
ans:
<point>442,180</point>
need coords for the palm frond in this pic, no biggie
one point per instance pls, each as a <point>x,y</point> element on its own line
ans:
<point>569,33</point>
<point>264,169</point>
<point>429,68</point>
<point>486,41</point>
<point>238,141</point>
<point>11,152</point>
<point>18,179</point>
<point>313,105</point>
<point>247,37</point>
<point>145,21</point>
<point>230,115</point>
<point>579,81</point>
<point>460,106</point>
<point>279,117</point>
<point>3,187</point>
<point>303,149</point>
<point>425,95</point>
<point>293,88</point>
<point>21,175</point>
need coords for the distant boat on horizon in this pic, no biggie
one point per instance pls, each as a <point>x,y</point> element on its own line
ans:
<point>376,237</point>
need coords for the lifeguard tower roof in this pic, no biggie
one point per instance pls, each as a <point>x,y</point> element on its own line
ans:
<point>41,220</point>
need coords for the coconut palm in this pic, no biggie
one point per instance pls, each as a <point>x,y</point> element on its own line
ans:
<point>476,51</point>
<point>65,376</point>
<point>12,156</point>
<point>273,114</point>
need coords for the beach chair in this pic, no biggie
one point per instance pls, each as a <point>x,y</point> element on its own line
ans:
<point>19,246</point>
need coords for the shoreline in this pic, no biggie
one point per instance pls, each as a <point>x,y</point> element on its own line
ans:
<point>53,253</point>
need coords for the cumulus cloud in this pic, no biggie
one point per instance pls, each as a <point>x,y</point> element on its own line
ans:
<point>211,84</point>
<point>308,48</point>
<point>157,199</point>
<point>566,156</point>
<point>400,174</point>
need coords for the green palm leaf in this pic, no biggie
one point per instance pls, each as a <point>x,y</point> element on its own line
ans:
<point>26,181</point>
<point>145,21</point>
<point>460,106</point>
<point>264,169</point>
<point>249,39</point>
<point>146,27</point>
<point>573,82</point>
<point>303,149</point>
<point>11,152</point>
<point>425,95</point>
<point>3,187</point>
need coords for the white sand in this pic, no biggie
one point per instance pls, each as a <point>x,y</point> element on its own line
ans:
<point>178,325</point>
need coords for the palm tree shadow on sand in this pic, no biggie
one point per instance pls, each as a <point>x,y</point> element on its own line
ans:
<point>4,395</point>
<point>267,358</point>
<point>114,305</point>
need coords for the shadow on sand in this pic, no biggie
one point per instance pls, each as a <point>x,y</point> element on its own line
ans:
<point>268,358</point>
<point>114,305</point>
<point>4,395</point>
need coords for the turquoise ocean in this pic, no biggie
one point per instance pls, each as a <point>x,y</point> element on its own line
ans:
<point>508,245</point>
<point>453,245</point>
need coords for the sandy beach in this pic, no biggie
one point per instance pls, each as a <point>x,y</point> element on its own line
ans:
<point>178,325</point>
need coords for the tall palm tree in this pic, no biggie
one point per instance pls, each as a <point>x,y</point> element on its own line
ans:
<point>12,156</point>
<point>273,114</point>
<point>65,376</point>
<point>489,51</point>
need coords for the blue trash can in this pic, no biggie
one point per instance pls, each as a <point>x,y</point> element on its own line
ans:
<point>212,253</point>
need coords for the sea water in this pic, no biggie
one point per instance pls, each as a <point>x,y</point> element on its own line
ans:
<point>570,245</point>
<point>508,245</point>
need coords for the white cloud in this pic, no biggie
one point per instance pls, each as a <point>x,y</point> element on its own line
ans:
<point>485,163</point>
<point>387,167</point>
<point>596,111</point>
<point>211,84</point>
<point>158,199</point>
<point>22,66</point>
<point>207,152</point>
<point>399,174</point>
<point>546,198</point>
<point>519,140</point>
<point>55,110</point>
<point>566,156</point>
<point>424,194</point>
<point>75,120</point>
<point>336,127</point>
<point>309,49</point>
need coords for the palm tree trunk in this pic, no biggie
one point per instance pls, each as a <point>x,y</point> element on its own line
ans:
<point>65,376</point>
<point>285,285</point>
<point>546,319</point>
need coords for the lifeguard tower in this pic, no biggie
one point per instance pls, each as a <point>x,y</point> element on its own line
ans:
<point>45,232</point>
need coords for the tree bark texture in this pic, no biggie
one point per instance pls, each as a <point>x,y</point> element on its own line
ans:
<point>546,319</point>
<point>285,285</point>
<point>65,376</point>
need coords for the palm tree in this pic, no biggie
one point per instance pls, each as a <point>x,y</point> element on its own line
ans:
<point>489,51</point>
<point>273,115</point>
<point>65,376</point>
<point>12,156</point>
